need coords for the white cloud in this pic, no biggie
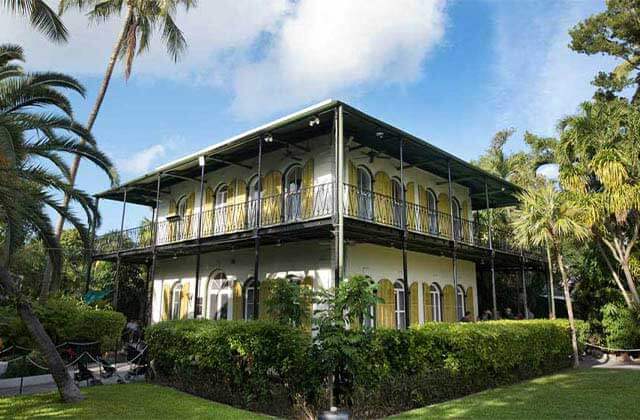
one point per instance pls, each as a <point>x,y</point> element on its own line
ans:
<point>538,79</point>
<point>279,52</point>
<point>142,161</point>
<point>326,47</point>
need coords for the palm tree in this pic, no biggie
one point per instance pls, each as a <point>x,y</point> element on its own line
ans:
<point>32,144</point>
<point>42,17</point>
<point>141,20</point>
<point>547,218</point>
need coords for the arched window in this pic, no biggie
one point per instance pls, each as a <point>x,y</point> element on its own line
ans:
<point>396,203</point>
<point>370,319</point>
<point>460,303</point>
<point>432,205</point>
<point>400,310</point>
<point>249,298</point>
<point>292,190</point>
<point>176,299</point>
<point>181,206</point>
<point>436,302</point>
<point>252,203</point>
<point>219,296</point>
<point>220,218</point>
<point>457,220</point>
<point>365,204</point>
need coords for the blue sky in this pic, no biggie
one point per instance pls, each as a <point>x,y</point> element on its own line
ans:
<point>451,72</point>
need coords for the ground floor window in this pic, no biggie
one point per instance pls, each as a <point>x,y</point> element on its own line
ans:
<point>219,299</point>
<point>460,306</point>
<point>400,310</point>
<point>176,298</point>
<point>436,302</point>
<point>249,299</point>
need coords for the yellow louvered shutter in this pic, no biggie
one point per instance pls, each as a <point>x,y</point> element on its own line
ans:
<point>207,217</point>
<point>470,302</point>
<point>240,209</point>
<point>173,211</point>
<point>444,208</point>
<point>382,211</point>
<point>411,199</point>
<point>385,316</point>
<point>414,317</point>
<point>276,183</point>
<point>308,190</point>
<point>238,307</point>
<point>449,298</point>
<point>184,301</point>
<point>422,210</point>
<point>272,201</point>
<point>352,194</point>
<point>187,224</point>
<point>426,300</point>
<point>166,302</point>
<point>265,293</point>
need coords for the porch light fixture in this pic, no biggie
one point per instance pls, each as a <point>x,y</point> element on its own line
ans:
<point>201,161</point>
<point>380,134</point>
<point>315,120</point>
<point>268,138</point>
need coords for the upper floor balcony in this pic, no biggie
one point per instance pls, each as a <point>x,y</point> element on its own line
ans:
<point>307,204</point>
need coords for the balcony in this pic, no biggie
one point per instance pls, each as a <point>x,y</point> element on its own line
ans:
<point>308,204</point>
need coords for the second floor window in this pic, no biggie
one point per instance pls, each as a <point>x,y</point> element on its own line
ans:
<point>432,203</point>
<point>252,204</point>
<point>396,202</point>
<point>365,205</point>
<point>219,216</point>
<point>292,189</point>
<point>457,220</point>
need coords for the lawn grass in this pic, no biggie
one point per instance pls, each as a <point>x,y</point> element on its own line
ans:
<point>585,394</point>
<point>130,401</point>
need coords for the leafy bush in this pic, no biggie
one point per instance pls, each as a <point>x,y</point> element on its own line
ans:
<point>275,368</point>
<point>289,302</point>
<point>66,319</point>
<point>259,365</point>
<point>621,326</point>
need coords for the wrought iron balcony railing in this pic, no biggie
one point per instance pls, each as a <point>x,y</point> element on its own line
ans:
<point>307,204</point>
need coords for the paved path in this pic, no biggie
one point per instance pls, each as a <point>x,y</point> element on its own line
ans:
<point>609,361</point>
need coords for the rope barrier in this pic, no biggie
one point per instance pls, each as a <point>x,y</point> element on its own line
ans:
<point>610,350</point>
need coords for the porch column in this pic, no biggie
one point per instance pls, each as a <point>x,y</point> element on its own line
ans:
<point>493,268</point>
<point>524,285</point>
<point>117,276</point>
<point>154,241</point>
<point>197,308</point>
<point>454,259</point>
<point>405,236</point>
<point>89,263</point>
<point>338,229</point>
<point>256,236</point>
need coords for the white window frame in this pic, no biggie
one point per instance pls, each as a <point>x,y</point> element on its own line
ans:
<point>249,287</point>
<point>176,301</point>
<point>219,286</point>
<point>365,202</point>
<point>435,297</point>
<point>400,310</point>
<point>460,302</point>
<point>292,197</point>
<point>219,203</point>
<point>432,209</point>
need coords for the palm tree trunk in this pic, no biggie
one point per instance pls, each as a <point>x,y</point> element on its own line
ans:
<point>69,391</point>
<point>552,294</point>
<point>567,300</point>
<point>73,172</point>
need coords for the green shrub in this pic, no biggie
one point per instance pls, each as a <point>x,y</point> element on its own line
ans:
<point>276,369</point>
<point>621,326</point>
<point>259,365</point>
<point>66,319</point>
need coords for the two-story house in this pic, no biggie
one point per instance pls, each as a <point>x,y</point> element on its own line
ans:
<point>317,196</point>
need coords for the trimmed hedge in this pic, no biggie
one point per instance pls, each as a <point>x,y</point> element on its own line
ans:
<point>66,319</point>
<point>273,368</point>
<point>258,365</point>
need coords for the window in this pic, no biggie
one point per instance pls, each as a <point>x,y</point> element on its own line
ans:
<point>400,310</point>
<point>252,204</point>
<point>436,302</point>
<point>292,190</point>
<point>460,307</point>
<point>219,296</point>
<point>369,320</point>
<point>220,218</point>
<point>249,299</point>
<point>457,220</point>
<point>180,222</point>
<point>176,298</point>
<point>432,205</point>
<point>396,191</point>
<point>365,205</point>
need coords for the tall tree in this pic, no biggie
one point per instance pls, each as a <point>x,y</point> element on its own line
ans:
<point>599,157</point>
<point>547,218</point>
<point>615,33</point>
<point>42,17</point>
<point>142,18</point>
<point>31,145</point>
